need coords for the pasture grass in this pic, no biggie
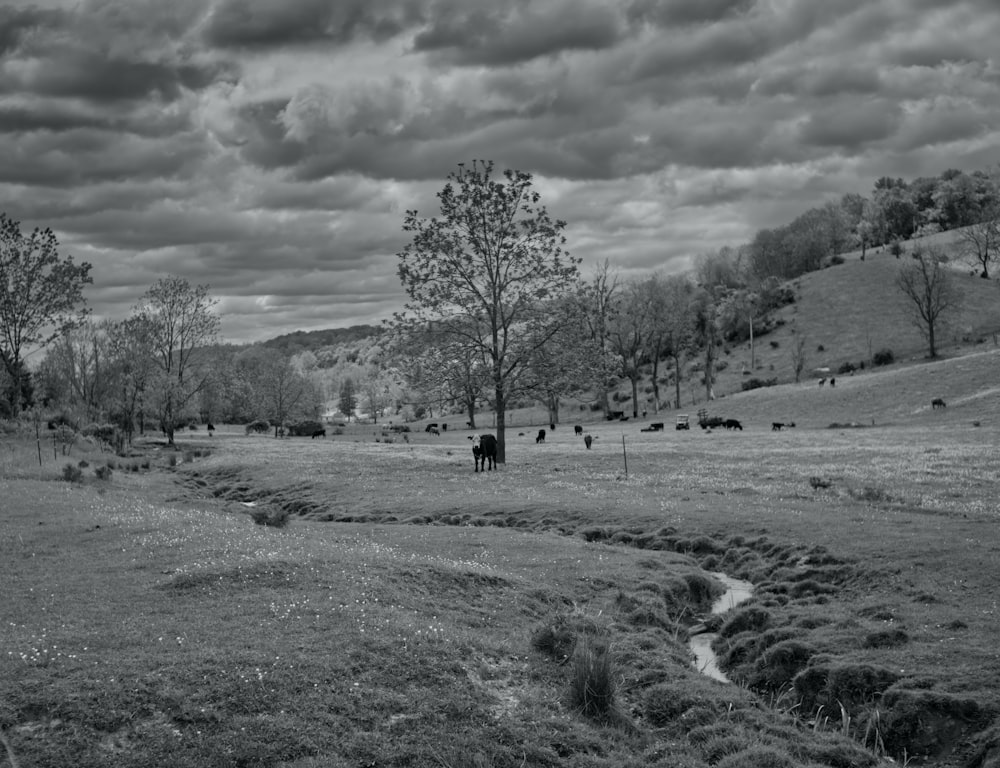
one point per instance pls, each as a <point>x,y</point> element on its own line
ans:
<point>412,612</point>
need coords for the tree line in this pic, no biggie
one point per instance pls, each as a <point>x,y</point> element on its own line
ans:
<point>497,314</point>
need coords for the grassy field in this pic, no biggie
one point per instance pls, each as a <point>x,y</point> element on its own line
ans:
<point>414,613</point>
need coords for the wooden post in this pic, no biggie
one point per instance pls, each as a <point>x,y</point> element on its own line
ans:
<point>624,455</point>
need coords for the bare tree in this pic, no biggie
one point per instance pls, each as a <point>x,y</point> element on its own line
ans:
<point>799,357</point>
<point>596,300</point>
<point>980,243</point>
<point>180,322</point>
<point>80,359</point>
<point>928,287</point>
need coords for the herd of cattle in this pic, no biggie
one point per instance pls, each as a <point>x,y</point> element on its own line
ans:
<point>484,446</point>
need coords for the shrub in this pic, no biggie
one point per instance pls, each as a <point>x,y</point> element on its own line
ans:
<point>883,357</point>
<point>593,684</point>
<point>259,427</point>
<point>304,428</point>
<point>847,367</point>
<point>758,383</point>
<point>103,473</point>
<point>836,259</point>
<point>72,473</point>
<point>63,420</point>
<point>272,517</point>
<point>820,348</point>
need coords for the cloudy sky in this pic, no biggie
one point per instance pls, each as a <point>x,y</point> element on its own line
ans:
<point>269,148</point>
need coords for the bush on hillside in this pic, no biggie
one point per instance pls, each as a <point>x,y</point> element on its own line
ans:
<point>847,367</point>
<point>883,357</point>
<point>758,383</point>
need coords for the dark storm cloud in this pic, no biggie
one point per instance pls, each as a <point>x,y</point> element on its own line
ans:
<point>511,33</point>
<point>668,13</point>
<point>852,125</point>
<point>276,23</point>
<point>823,81</point>
<point>18,23</point>
<point>97,77</point>
<point>86,157</point>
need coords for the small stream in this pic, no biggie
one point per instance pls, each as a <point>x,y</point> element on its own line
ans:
<point>737,591</point>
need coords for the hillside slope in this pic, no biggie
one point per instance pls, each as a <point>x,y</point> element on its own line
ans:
<point>851,310</point>
<point>898,394</point>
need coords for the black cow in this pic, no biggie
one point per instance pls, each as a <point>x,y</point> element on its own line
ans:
<point>937,402</point>
<point>587,440</point>
<point>319,433</point>
<point>484,451</point>
<point>210,428</point>
<point>433,425</point>
<point>732,424</point>
<point>434,431</point>
<point>541,436</point>
<point>777,425</point>
<point>578,429</point>
<point>552,427</point>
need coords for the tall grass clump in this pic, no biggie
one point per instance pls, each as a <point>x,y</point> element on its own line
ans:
<point>593,685</point>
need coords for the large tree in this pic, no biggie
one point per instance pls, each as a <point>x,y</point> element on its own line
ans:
<point>930,294</point>
<point>41,297</point>
<point>180,321</point>
<point>494,258</point>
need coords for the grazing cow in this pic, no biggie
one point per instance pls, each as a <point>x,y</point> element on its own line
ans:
<point>587,440</point>
<point>541,436</point>
<point>210,428</point>
<point>434,431</point>
<point>484,451</point>
<point>578,429</point>
<point>429,427</point>
<point>937,402</point>
<point>833,382</point>
<point>822,382</point>
<point>319,433</point>
<point>732,424</point>
<point>777,425</point>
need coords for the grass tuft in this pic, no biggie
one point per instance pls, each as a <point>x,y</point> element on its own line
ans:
<point>593,686</point>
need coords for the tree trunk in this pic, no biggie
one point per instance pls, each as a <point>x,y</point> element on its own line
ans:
<point>709,361</point>
<point>471,410</point>
<point>501,411</point>
<point>656,384</point>
<point>635,397</point>
<point>552,406</point>
<point>677,380</point>
<point>930,339</point>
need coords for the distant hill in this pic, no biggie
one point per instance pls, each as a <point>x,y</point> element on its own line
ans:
<point>848,311</point>
<point>313,341</point>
